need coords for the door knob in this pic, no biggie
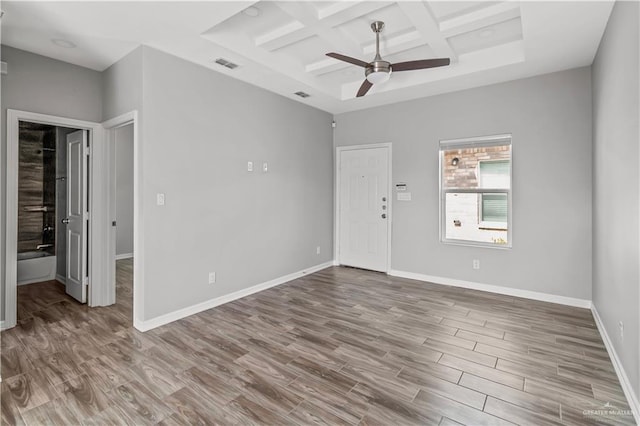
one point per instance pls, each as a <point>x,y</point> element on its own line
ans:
<point>384,215</point>
<point>384,198</point>
<point>65,220</point>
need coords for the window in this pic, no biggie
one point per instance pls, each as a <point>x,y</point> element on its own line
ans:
<point>494,207</point>
<point>475,188</point>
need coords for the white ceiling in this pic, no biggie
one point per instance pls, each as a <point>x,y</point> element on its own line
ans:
<point>283,48</point>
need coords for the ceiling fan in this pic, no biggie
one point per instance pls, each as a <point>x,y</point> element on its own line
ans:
<point>379,70</point>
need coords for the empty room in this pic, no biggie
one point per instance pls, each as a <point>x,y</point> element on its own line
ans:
<point>320,212</point>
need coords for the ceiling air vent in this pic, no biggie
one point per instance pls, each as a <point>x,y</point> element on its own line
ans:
<point>225,63</point>
<point>302,94</point>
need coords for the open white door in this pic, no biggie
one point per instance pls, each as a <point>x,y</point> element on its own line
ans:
<point>363,197</point>
<point>77,215</point>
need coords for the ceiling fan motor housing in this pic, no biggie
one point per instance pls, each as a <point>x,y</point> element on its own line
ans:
<point>378,66</point>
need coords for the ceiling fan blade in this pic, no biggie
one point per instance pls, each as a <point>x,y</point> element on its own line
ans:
<point>366,85</point>
<point>421,64</point>
<point>349,59</point>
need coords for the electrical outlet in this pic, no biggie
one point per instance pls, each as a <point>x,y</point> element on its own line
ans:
<point>476,263</point>
<point>249,166</point>
<point>265,167</point>
<point>318,250</point>
<point>621,326</point>
<point>212,277</point>
<point>160,199</point>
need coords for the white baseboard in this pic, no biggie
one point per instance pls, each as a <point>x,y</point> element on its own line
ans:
<point>61,279</point>
<point>2,326</point>
<point>212,303</point>
<point>527,294</point>
<point>37,280</point>
<point>632,398</point>
<point>124,256</point>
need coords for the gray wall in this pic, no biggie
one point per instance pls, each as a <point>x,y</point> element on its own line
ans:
<point>550,119</point>
<point>123,147</point>
<point>200,129</point>
<point>197,133</point>
<point>616,184</point>
<point>122,86</point>
<point>38,84</point>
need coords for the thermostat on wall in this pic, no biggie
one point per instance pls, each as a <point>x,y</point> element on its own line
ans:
<point>401,186</point>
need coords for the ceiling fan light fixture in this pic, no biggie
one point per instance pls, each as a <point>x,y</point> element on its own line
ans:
<point>377,77</point>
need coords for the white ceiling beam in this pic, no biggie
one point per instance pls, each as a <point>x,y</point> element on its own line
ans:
<point>344,11</point>
<point>279,32</point>
<point>325,66</point>
<point>424,21</point>
<point>480,18</point>
<point>330,17</point>
<point>284,36</point>
<point>306,14</point>
<point>396,44</point>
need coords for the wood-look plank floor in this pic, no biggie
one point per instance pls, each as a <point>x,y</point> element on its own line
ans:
<point>341,347</point>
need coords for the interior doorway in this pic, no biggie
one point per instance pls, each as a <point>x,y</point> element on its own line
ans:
<point>363,203</point>
<point>52,251</point>
<point>122,178</point>
<point>38,224</point>
<point>100,259</point>
<point>123,254</point>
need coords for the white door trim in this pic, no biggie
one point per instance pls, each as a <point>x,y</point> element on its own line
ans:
<point>11,203</point>
<point>110,232</point>
<point>336,213</point>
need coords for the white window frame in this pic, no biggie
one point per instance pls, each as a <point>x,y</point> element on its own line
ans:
<point>475,142</point>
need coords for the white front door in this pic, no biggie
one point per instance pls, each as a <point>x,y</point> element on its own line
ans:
<point>364,208</point>
<point>77,215</point>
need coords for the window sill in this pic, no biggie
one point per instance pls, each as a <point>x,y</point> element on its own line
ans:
<point>466,243</point>
<point>492,226</point>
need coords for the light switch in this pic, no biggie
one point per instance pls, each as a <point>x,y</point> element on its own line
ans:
<point>249,166</point>
<point>160,199</point>
<point>265,167</point>
<point>404,196</point>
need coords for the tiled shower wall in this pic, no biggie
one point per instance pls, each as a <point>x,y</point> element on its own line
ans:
<point>36,186</point>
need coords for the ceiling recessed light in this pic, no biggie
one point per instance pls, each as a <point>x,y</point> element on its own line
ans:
<point>63,43</point>
<point>252,11</point>
<point>487,32</point>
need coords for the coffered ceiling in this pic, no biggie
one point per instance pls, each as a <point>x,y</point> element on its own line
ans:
<point>281,45</point>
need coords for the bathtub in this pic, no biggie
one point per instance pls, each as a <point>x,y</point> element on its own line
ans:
<point>36,266</point>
